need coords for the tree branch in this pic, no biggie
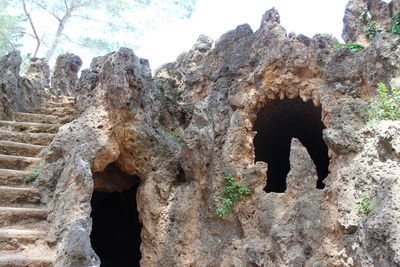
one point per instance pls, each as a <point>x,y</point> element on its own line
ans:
<point>27,33</point>
<point>33,28</point>
<point>8,40</point>
<point>52,12</point>
<point>66,5</point>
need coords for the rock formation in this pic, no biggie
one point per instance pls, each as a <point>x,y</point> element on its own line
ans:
<point>359,12</point>
<point>168,141</point>
<point>65,74</point>
<point>36,82</point>
<point>10,90</point>
<point>20,93</point>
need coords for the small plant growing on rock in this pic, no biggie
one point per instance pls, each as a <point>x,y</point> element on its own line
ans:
<point>387,106</point>
<point>364,204</point>
<point>351,47</point>
<point>232,191</point>
<point>178,94</point>
<point>396,24</point>
<point>366,15</point>
<point>371,29</point>
<point>34,173</point>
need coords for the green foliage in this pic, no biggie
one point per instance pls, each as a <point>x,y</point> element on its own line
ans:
<point>232,191</point>
<point>178,94</point>
<point>34,173</point>
<point>108,24</point>
<point>10,29</point>
<point>364,204</point>
<point>366,15</point>
<point>396,24</point>
<point>371,29</point>
<point>386,106</point>
<point>351,47</point>
<point>100,45</point>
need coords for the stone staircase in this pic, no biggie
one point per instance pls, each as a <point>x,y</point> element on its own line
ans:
<point>23,225</point>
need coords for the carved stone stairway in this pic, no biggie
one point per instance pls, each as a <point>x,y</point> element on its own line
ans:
<point>23,225</point>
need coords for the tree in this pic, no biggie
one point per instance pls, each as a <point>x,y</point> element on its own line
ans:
<point>109,14</point>
<point>10,29</point>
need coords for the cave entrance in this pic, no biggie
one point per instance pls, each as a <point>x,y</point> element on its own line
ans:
<point>277,123</point>
<point>116,229</point>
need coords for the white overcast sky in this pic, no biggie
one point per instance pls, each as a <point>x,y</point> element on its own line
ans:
<point>215,17</point>
<point>162,42</point>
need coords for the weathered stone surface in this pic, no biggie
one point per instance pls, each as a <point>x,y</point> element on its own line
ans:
<point>65,74</point>
<point>381,12</point>
<point>182,131</point>
<point>10,89</point>
<point>36,82</point>
<point>78,252</point>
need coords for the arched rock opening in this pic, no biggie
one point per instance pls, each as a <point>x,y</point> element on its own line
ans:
<point>277,123</point>
<point>116,229</point>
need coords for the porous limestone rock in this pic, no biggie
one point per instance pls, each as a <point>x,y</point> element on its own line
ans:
<point>65,74</point>
<point>355,19</point>
<point>183,130</point>
<point>10,89</point>
<point>36,82</point>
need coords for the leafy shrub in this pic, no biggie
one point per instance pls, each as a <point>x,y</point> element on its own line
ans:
<point>351,47</point>
<point>232,191</point>
<point>366,15</point>
<point>364,204</point>
<point>396,24</point>
<point>33,174</point>
<point>387,106</point>
<point>371,29</point>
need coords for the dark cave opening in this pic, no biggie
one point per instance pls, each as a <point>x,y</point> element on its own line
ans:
<point>116,229</point>
<point>277,123</point>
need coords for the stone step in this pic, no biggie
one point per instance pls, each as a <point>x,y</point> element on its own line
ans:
<point>17,196</point>
<point>13,216</point>
<point>19,149</point>
<point>61,98</point>
<point>24,137</point>
<point>16,260</point>
<point>53,104</point>
<point>30,127</point>
<point>57,111</point>
<point>17,162</point>
<point>18,239</point>
<point>41,118</point>
<point>12,177</point>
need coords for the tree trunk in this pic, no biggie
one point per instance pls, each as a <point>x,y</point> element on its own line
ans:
<point>57,37</point>
<point>38,40</point>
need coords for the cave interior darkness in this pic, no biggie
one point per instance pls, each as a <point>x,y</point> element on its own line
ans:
<point>277,123</point>
<point>116,229</point>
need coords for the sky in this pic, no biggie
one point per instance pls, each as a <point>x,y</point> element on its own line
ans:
<point>215,17</point>
<point>162,42</point>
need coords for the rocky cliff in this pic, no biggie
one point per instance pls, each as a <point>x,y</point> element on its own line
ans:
<point>281,114</point>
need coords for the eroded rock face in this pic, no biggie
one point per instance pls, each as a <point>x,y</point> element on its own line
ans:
<point>355,18</point>
<point>65,74</point>
<point>182,131</point>
<point>10,89</point>
<point>36,82</point>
